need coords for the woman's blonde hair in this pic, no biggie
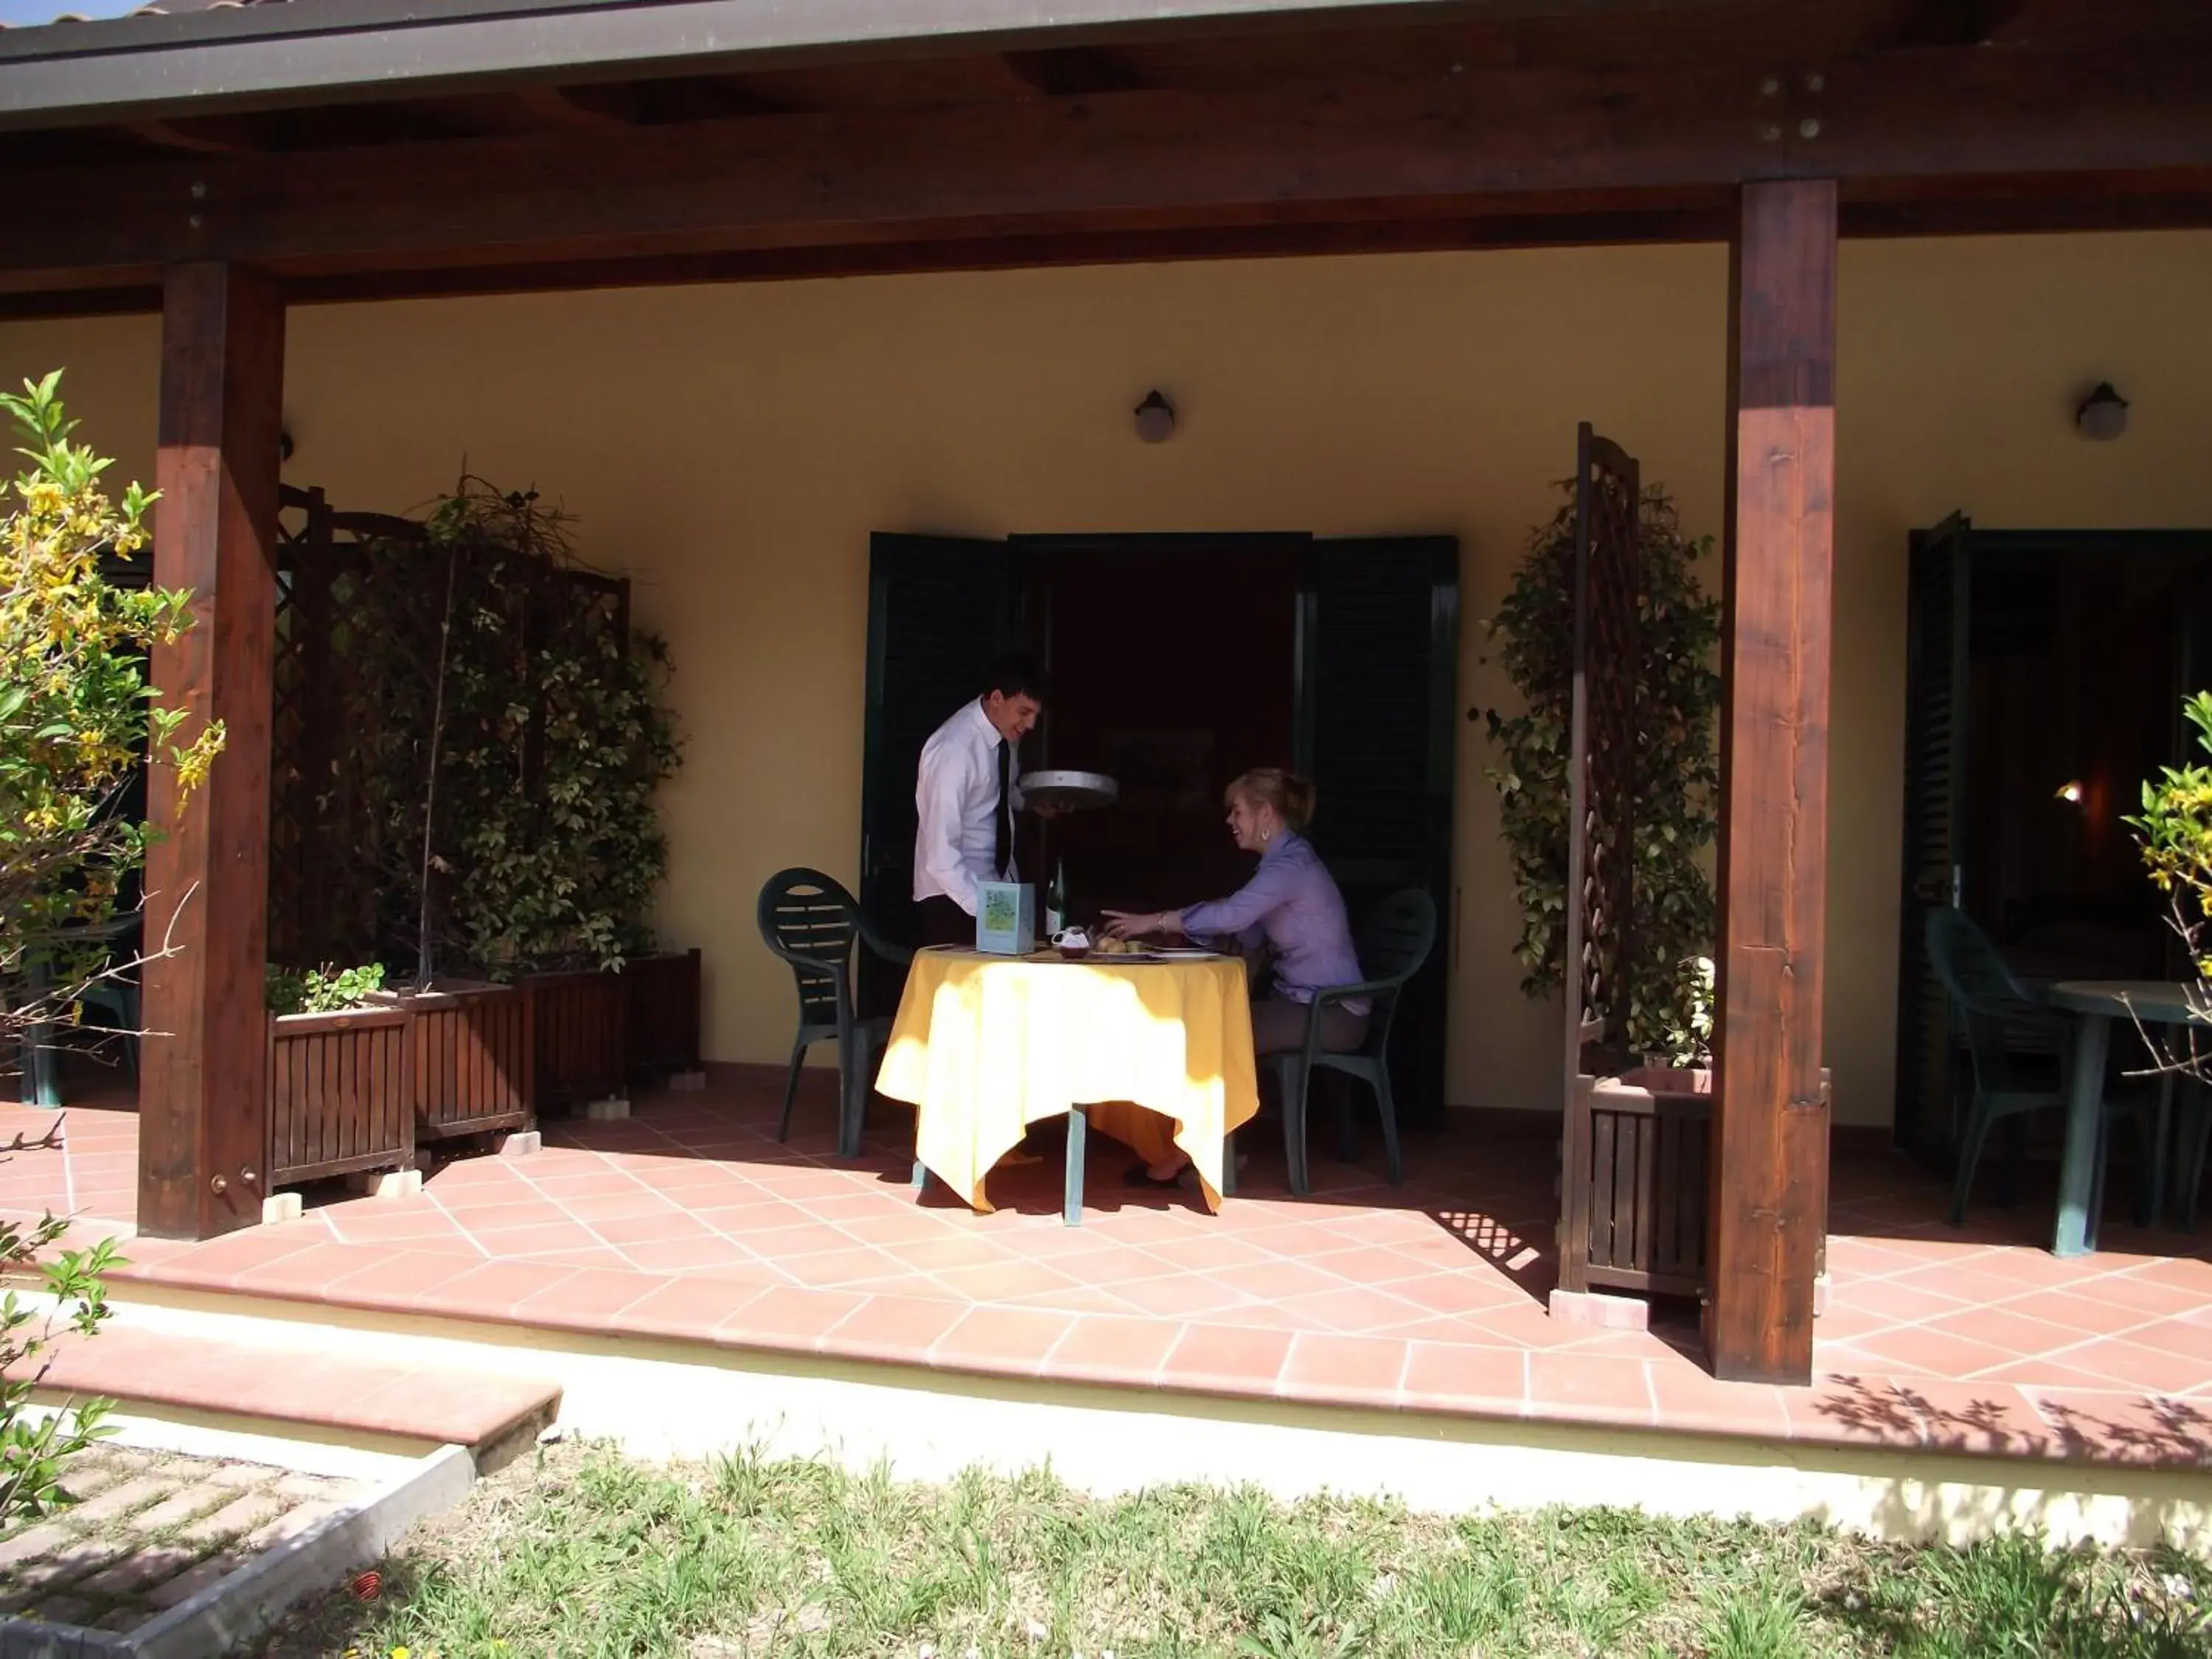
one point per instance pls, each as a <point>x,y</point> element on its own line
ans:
<point>1291,797</point>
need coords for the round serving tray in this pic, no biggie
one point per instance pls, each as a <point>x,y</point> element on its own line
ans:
<point>1071,791</point>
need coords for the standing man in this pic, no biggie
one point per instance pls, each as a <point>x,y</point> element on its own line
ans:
<point>965,798</point>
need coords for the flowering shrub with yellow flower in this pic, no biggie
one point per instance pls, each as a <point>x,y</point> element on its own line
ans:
<point>76,715</point>
<point>2174,830</point>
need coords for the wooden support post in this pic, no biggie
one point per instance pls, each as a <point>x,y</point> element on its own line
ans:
<point>1769,1174</point>
<point>204,1092</point>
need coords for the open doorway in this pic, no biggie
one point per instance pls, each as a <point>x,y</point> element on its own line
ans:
<point>2045,680</point>
<point>1174,663</point>
<point>1178,661</point>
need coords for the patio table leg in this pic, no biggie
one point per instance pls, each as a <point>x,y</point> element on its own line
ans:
<point>2161,1128</point>
<point>1070,1202</point>
<point>2077,1165</point>
<point>41,1064</point>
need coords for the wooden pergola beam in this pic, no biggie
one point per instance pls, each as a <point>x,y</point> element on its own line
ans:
<point>1129,161</point>
<point>203,1089</point>
<point>1768,1174</point>
<point>2101,204</point>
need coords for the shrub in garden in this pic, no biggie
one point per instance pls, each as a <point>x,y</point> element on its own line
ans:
<point>77,723</point>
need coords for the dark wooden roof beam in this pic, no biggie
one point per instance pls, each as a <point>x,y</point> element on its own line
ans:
<point>1130,161</point>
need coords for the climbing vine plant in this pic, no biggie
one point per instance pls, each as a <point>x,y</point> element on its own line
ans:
<point>1677,774</point>
<point>506,734</point>
<point>559,740</point>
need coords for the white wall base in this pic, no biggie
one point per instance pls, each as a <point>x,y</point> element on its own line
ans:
<point>665,1399</point>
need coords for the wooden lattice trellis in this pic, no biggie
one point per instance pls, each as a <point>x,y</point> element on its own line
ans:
<point>1601,756</point>
<point>362,601</point>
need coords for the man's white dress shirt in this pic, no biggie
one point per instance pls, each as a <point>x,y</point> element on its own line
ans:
<point>956,800</point>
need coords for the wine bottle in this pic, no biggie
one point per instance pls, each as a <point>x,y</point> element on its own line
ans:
<point>1056,900</point>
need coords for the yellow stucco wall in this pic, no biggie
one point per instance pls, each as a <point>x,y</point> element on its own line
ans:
<point>732,448</point>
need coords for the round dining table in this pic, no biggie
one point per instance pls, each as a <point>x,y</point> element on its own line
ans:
<point>983,1045</point>
<point>2095,1004</point>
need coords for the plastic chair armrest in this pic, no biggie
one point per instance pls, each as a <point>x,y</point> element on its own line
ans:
<point>898,955</point>
<point>1372,988</point>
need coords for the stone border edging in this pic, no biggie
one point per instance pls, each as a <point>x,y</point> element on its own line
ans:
<point>241,1606</point>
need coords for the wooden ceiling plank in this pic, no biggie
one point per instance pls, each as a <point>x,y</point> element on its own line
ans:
<point>212,136</point>
<point>1954,22</point>
<point>1074,71</point>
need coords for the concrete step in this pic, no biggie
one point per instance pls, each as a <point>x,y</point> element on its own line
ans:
<point>346,1396</point>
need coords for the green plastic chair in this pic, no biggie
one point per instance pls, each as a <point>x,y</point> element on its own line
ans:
<point>1989,1004</point>
<point>1394,944</point>
<point>112,1002</point>
<point>813,924</point>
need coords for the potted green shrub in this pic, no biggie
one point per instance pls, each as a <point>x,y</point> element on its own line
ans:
<point>1633,1144</point>
<point>341,1084</point>
<point>560,738</point>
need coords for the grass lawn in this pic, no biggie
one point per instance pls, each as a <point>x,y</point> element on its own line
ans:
<point>580,1551</point>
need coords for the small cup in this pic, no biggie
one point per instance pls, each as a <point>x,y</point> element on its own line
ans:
<point>1073,943</point>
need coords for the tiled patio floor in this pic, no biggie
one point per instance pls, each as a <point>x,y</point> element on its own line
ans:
<point>687,1221</point>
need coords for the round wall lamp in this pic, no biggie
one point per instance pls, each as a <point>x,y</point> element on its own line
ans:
<point>1155,419</point>
<point>2102,415</point>
<point>2070,793</point>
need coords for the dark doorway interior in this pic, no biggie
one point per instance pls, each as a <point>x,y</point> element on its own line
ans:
<point>1173,672</point>
<point>2079,658</point>
<point>2046,675</point>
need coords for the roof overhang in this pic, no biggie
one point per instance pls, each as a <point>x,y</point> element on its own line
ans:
<point>320,50</point>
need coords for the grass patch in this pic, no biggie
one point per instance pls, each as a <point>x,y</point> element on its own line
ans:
<point>583,1552</point>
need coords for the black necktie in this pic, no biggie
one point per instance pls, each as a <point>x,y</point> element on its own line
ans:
<point>1001,853</point>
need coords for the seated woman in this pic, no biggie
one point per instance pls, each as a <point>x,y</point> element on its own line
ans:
<point>1292,906</point>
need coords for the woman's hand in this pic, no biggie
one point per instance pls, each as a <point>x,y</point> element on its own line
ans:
<point>1127,924</point>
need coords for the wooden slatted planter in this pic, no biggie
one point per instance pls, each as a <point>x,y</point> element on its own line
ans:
<point>474,1057</point>
<point>1633,1199</point>
<point>580,1024</point>
<point>341,1095</point>
<point>663,1034</point>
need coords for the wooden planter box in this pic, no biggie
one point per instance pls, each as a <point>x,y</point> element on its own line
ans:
<point>663,1035</point>
<point>474,1057</point>
<point>341,1095</point>
<point>1633,1214</point>
<point>580,1036</point>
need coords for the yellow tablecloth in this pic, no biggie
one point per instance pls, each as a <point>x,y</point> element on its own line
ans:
<point>986,1045</point>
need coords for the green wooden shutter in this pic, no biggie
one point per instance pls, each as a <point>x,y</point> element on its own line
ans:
<point>1376,701</point>
<point>1935,773</point>
<point>940,610</point>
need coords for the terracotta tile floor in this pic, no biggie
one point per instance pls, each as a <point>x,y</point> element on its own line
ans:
<point>688,1221</point>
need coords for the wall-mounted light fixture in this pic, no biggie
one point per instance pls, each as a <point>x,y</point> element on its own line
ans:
<point>1155,419</point>
<point>2070,793</point>
<point>284,443</point>
<point>2102,415</point>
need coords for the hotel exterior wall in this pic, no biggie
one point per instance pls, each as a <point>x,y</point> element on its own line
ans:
<point>732,448</point>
